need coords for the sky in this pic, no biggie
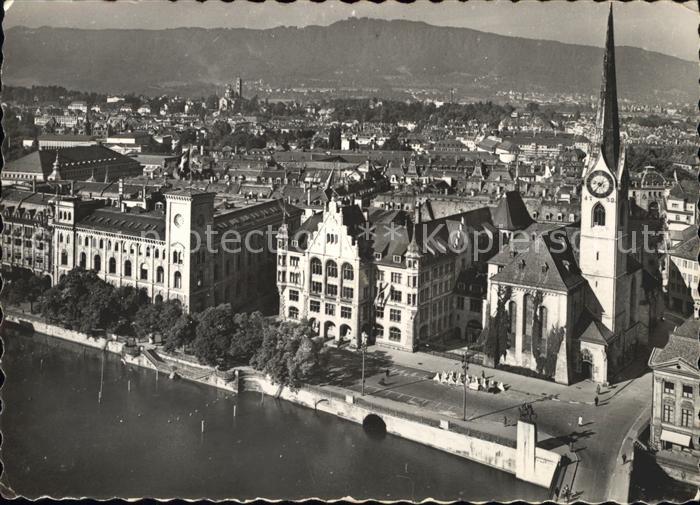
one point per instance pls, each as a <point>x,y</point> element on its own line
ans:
<point>663,26</point>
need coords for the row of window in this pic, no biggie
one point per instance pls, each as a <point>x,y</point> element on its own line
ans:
<point>670,389</point>
<point>394,333</point>
<point>127,271</point>
<point>394,314</point>
<point>329,309</point>
<point>668,416</point>
<point>332,269</point>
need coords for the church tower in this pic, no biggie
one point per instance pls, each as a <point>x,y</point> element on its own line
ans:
<point>604,203</point>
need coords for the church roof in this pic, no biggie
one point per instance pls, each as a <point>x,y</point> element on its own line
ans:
<point>540,263</point>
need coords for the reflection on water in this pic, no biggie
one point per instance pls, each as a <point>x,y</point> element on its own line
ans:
<point>148,441</point>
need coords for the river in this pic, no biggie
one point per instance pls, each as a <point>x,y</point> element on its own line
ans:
<point>145,439</point>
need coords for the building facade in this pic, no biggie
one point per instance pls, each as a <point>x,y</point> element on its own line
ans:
<point>675,421</point>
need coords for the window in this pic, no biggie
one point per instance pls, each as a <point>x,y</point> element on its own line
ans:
<point>528,320</point>
<point>331,269</point>
<point>293,261</point>
<point>316,287</point>
<point>316,267</point>
<point>348,273</point>
<point>397,258</point>
<point>293,313</point>
<point>83,260</point>
<point>294,277</point>
<point>330,309</point>
<point>345,312</point>
<point>294,295</point>
<point>379,312</point>
<point>378,331</point>
<point>669,387</point>
<point>315,306</point>
<point>177,280</point>
<point>460,302</point>
<point>347,293</point>
<point>160,275</point>
<point>97,262</point>
<point>598,215</point>
<point>127,268</point>
<point>685,418</point>
<point>667,415</point>
<point>377,256</point>
<point>395,295</point>
<point>687,391</point>
<point>396,278</point>
<point>331,290</point>
<point>394,334</point>
<point>395,315</point>
<point>143,274</point>
<point>475,304</point>
<point>64,258</point>
<point>112,266</point>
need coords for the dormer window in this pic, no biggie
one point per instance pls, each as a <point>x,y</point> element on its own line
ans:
<point>295,243</point>
<point>397,258</point>
<point>377,256</point>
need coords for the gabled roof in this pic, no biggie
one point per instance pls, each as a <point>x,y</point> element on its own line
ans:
<point>539,263</point>
<point>590,329</point>
<point>683,345</point>
<point>511,213</point>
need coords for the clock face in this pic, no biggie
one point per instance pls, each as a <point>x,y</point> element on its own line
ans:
<point>178,220</point>
<point>600,184</point>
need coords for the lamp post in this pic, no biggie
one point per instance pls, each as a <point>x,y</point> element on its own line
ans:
<point>465,367</point>
<point>363,349</point>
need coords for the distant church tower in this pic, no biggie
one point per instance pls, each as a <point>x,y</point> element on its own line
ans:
<point>239,87</point>
<point>605,205</point>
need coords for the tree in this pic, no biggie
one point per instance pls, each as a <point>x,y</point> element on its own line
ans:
<point>181,333</point>
<point>289,354</point>
<point>157,318</point>
<point>334,138</point>
<point>498,330</point>
<point>215,327</point>
<point>247,337</point>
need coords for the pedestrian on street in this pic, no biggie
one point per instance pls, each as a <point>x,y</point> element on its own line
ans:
<point>597,389</point>
<point>624,458</point>
<point>596,401</point>
<point>505,421</point>
<point>566,493</point>
<point>571,446</point>
<point>386,373</point>
<point>580,420</point>
<point>483,374</point>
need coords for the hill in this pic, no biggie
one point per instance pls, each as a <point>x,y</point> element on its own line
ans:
<point>354,52</point>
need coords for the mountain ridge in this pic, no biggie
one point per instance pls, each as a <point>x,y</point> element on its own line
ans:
<point>350,52</point>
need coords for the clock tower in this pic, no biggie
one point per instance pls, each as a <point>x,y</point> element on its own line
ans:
<point>604,204</point>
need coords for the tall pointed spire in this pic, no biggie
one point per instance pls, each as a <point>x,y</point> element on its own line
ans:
<point>608,121</point>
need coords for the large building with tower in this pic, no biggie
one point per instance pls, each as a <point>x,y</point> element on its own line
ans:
<point>573,295</point>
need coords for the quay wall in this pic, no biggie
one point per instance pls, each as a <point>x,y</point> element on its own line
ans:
<point>541,471</point>
<point>342,403</point>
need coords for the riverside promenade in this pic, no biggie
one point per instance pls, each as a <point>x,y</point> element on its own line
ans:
<point>594,472</point>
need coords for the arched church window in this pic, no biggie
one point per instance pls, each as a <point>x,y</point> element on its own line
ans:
<point>598,215</point>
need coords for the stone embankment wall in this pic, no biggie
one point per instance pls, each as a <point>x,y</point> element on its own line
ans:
<point>540,470</point>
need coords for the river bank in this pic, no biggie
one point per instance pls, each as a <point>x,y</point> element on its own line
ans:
<point>144,439</point>
<point>520,457</point>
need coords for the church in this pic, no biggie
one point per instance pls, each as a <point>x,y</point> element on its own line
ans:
<point>573,295</point>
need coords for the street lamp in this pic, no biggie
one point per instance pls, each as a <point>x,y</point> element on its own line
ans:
<point>363,348</point>
<point>465,367</point>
